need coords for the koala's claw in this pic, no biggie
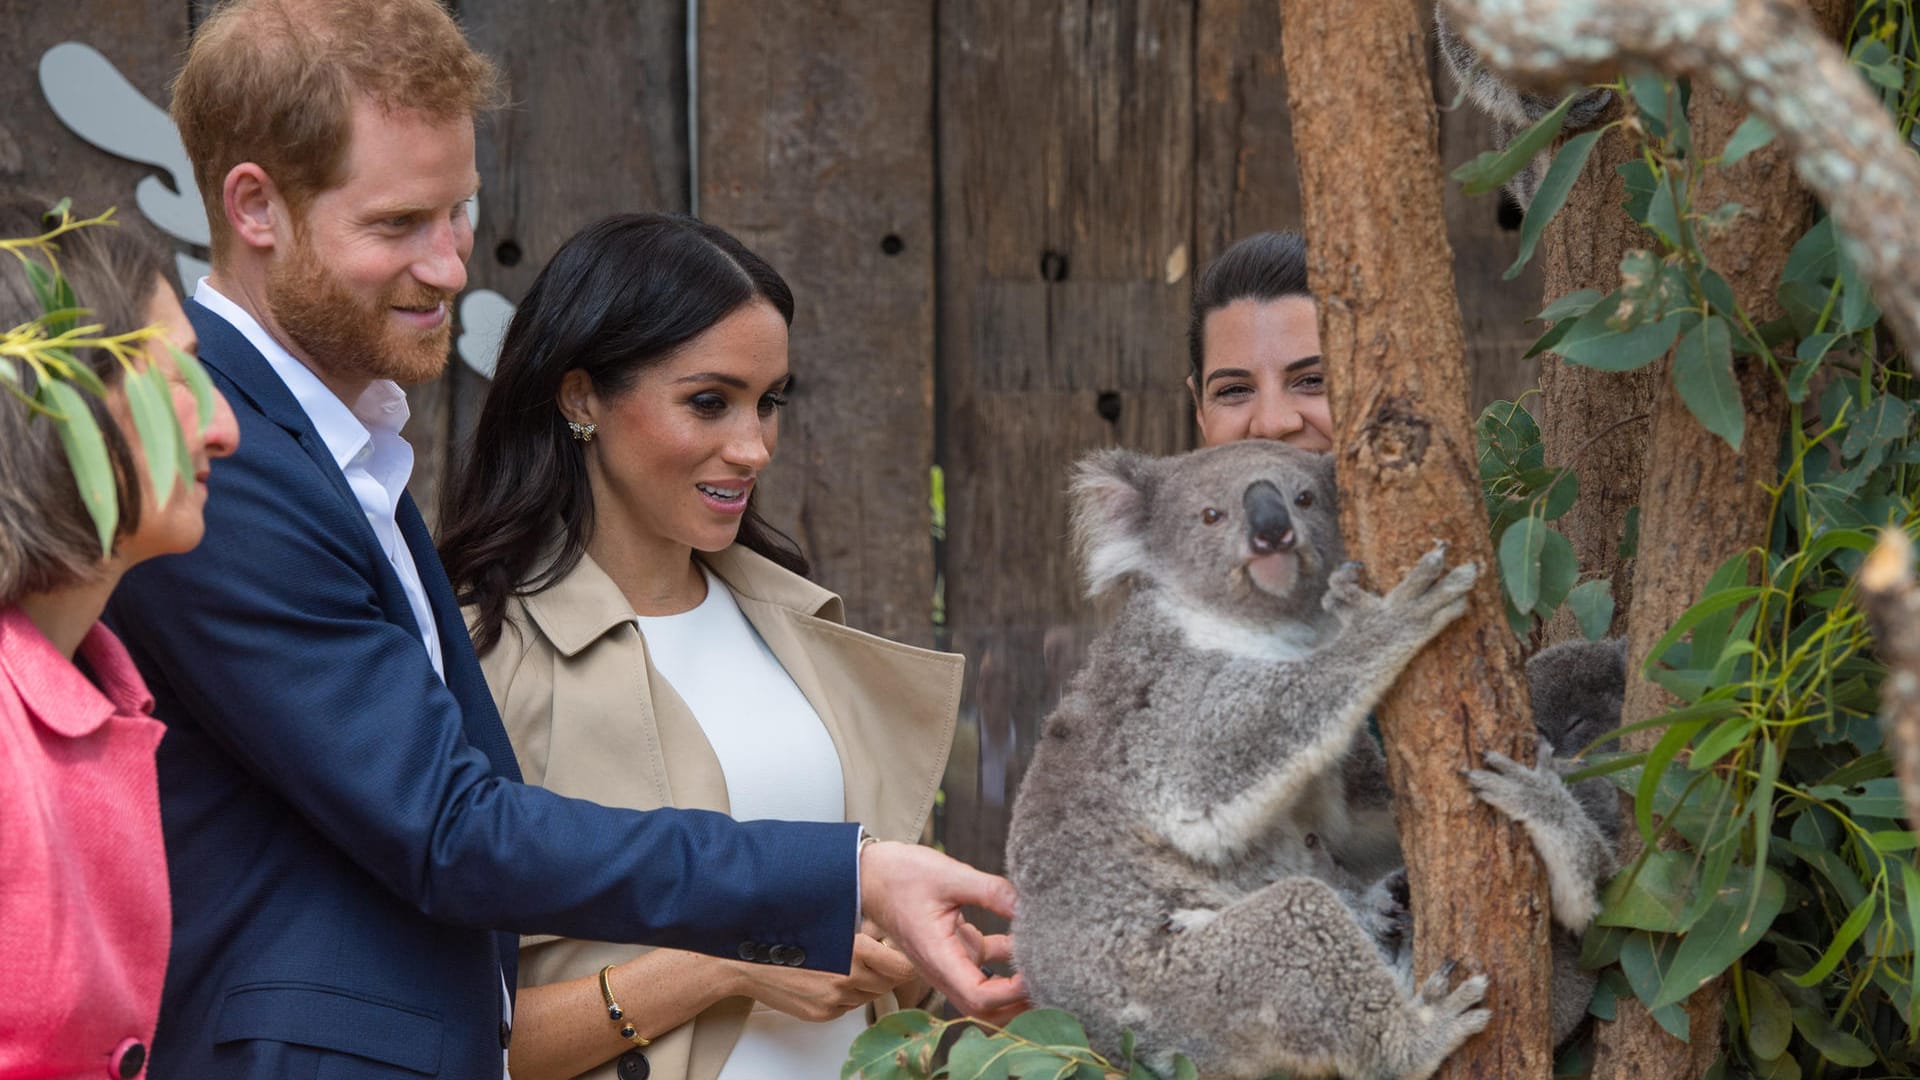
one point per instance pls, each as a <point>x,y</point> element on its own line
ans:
<point>1344,591</point>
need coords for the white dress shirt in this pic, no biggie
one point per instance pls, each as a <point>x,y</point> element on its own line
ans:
<point>365,443</point>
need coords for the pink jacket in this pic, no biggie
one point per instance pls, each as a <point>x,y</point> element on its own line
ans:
<point>84,916</point>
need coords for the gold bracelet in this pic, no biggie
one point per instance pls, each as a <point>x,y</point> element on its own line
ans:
<point>627,1031</point>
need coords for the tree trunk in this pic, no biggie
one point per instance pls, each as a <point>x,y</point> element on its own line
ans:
<point>1595,422</point>
<point>1365,131</point>
<point>1702,501</point>
<point>1893,606</point>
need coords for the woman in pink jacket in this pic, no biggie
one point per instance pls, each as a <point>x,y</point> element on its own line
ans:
<point>84,917</point>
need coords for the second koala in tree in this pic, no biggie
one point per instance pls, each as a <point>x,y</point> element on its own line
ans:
<point>1511,109</point>
<point>1172,841</point>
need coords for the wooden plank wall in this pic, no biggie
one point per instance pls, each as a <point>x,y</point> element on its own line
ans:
<point>990,214</point>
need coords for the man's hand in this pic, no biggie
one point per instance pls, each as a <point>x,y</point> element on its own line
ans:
<point>915,894</point>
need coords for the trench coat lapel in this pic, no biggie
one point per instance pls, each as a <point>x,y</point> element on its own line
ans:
<point>890,708</point>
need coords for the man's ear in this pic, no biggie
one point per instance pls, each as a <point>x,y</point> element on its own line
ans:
<point>576,399</point>
<point>253,206</point>
<point>1111,491</point>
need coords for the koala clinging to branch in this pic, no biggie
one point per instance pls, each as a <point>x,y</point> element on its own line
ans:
<point>1512,110</point>
<point>1176,841</point>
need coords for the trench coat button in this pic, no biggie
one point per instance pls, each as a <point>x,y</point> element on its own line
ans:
<point>506,1034</point>
<point>633,1066</point>
<point>128,1059</point>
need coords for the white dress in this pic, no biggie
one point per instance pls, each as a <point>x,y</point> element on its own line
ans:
<point>779,762</point>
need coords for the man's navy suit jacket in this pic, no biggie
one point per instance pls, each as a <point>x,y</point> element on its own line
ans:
<point>350,846</point>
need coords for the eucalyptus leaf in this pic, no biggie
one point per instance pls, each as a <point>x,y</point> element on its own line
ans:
<point>1592,604</point>
<point>1520,548</point>
<point>872,1055</point>
<point>1572,305</point>
<point>1732,926</point>
<point>1640,183</point>
<point>1885,419</point>
<point>1663,212</point>
<point>150,401</point>
<point>1496,167</point>
<point>1843,939</point>
<point>1769,1017</point>
<point>1593,342</point>
<point>1833,1044</point>
<point>195,375</point>
<point>1753,133</point>
<point>1650,898</point>
<point>1815,258</point>
<point>86,450</point>
<point>1783,1067</point>
<point>1565,169</point>
<point>1559,569</point>
<point>1048,1027</point>
<point>1703,374</point>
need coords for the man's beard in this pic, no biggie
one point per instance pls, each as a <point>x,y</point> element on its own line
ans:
<point>342,335</point>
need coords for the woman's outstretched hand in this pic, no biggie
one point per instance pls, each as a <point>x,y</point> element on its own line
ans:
<point>916,895</point>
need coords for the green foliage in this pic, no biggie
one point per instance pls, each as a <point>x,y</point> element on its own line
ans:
<point>1797,877</point>
<point>1043,1043</point>
<point>40,366</point>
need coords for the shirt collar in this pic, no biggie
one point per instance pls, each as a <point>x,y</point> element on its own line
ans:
<point>54,689</point>
<point>345,431</point>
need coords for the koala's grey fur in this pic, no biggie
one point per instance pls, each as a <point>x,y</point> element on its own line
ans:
<point>1178,839</point>
<point>1512,110</point>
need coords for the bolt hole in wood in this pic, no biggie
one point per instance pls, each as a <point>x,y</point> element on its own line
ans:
<point>507,254</point>
<point>1108,406</point>
<point>891,244</point>
<point>1053,265</point>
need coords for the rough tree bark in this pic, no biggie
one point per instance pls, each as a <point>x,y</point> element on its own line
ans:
<point>1595,421</point>
<point>1365,132</point>
<point>1893,607</point>
<point>1701,500</point>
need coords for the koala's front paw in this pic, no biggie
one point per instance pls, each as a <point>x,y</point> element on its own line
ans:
<point>1384,912</point>
<point>1431,596</point>
<point>1521,792</point>
<point>1444,1019</point>
<point>1345,595</point>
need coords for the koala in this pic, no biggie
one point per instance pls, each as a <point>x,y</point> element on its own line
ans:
<point>1512,110</point>
<point>1178,840</point>
<point>1577,690</point>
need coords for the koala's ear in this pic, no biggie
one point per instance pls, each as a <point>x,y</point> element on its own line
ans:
<point>1111,492</point>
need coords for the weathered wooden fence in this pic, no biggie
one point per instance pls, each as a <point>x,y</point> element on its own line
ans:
<point>990,213</point>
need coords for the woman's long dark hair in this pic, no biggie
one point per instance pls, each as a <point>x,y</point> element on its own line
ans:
<point>619,297</point>
<point>1264,266</point>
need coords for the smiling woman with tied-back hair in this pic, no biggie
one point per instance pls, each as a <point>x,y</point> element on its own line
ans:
<point>1254,346</point>
<point>651,642</point>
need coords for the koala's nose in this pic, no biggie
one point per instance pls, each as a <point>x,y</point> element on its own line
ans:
<point>1269,526</point>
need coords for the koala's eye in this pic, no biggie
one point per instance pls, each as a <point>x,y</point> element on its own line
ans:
<point>1210,516</point>
<point>1313,841</point>
<point>1303,500</point>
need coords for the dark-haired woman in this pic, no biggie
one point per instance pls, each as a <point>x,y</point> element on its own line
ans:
<point>650,641</point>
<point>1255,347</point>
<point>84,902</point>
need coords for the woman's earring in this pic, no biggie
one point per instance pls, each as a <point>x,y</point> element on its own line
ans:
<point>581,432</point>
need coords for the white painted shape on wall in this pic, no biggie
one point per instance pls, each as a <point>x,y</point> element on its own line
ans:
<point>484,315</point>
<point>97,103</point>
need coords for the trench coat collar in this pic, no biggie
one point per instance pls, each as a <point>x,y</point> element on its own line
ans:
<point>584,605</point>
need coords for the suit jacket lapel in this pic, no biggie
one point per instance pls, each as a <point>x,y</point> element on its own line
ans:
<point>482,720</point>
